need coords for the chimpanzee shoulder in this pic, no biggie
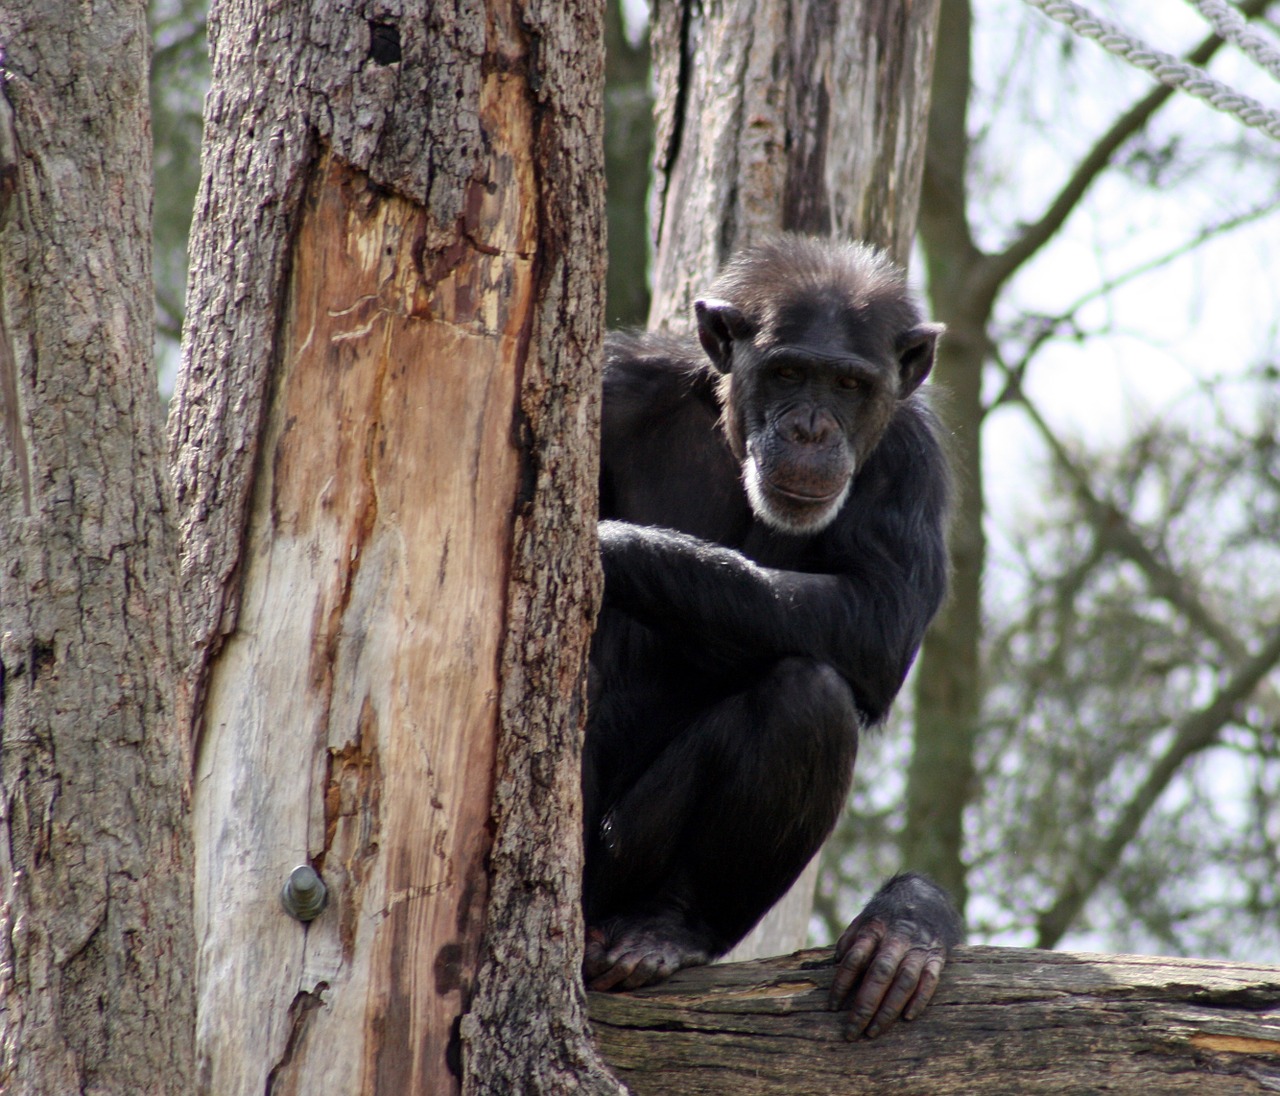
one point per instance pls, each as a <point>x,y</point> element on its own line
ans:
<point>649,375</point>
<point>659,426</point>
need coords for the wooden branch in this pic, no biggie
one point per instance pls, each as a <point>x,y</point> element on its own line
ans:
<point>1005,1020</point>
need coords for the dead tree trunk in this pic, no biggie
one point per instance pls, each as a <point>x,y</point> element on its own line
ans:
<point>804,115</point>
<point>385,436</point>
<point>95,858</point>
<point>1006,1021</point>
<point>773,115</point>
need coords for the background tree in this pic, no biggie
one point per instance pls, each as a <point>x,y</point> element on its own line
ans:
<point>95,857</point>
<point>179,80</point>
<point>628,150</point>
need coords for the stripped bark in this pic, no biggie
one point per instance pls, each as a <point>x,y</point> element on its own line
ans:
<point>385,434</point>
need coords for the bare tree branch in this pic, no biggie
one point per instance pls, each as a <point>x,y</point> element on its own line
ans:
<point>997,268</point>
<point>1049,326</point>
<point>1116,533</point>
<point>1195,732</point>
<point>1166,68</point>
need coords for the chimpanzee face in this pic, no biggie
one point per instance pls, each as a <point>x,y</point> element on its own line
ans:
<point>807,396</point>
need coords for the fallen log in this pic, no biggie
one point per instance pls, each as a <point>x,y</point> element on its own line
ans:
<point>1004,1021</point>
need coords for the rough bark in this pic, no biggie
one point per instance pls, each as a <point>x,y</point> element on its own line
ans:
<point>385,434</point>
<point>527,1029</point>
<point>772,115</point>
<point>805,115</point>
<point>95,858</point>
<point>1005,1021</point>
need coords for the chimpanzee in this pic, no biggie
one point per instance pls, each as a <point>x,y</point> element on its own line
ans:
<point>772,530</point>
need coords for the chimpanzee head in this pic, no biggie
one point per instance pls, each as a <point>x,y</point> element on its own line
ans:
<point>817,345</point>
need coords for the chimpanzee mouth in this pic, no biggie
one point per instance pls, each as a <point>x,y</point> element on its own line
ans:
<point>805,497</point>
<point>789,510</point>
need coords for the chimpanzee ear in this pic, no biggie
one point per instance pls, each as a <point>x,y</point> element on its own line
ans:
<point>719,324</point>
<point>915,355</point>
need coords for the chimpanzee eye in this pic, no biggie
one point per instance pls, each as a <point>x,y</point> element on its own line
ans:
<point>787,373</point>
<point>849,382</point>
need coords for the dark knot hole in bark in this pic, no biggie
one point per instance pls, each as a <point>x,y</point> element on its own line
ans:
<point>384,42</point>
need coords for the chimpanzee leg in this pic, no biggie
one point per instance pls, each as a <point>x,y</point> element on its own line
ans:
<point>720,825</point>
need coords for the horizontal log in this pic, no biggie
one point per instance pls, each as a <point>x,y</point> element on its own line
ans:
<point>1004,1020</point>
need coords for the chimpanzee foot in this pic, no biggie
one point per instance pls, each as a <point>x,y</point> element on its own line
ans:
<point>628,953</point>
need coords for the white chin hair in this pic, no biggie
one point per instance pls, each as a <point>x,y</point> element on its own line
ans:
<point>812,520</point>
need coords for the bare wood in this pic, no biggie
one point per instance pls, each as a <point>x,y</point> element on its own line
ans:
<point>356,699</point>
<point>806,115</point>
<point>95,857</point>
<point>1005,1021</point>
<point>385,438</point>
<point>803,115</point>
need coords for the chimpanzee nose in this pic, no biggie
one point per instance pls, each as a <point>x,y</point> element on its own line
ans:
<point>809,426</point>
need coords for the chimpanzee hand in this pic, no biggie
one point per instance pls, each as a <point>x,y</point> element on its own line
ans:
<point>897,947</point>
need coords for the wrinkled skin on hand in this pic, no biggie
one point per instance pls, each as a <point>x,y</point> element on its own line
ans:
<point>889,960</point>
<point>633,952</point>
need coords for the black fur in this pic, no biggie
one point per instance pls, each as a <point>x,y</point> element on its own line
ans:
<point>750,632</point>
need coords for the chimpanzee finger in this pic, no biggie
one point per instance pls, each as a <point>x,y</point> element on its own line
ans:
<point>854,950</point>
<point>631,968</point>
<point>860,926</point>
<point>611,976</point>
<point>929,978</point>
<point>595,959</point>
<point>610,968</point>
<point>876,983</point>
<point>899,994</point>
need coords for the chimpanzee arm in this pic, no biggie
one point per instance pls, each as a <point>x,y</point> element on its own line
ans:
<point>729,613</point>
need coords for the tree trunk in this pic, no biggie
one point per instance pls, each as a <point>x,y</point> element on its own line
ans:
<point>772,115</point>
<point>628,149</point>
<point>95,858</point>
<point>803,115</point>
<point>949,686</point>
<point>385,433</point>
<point>1005,1021</point>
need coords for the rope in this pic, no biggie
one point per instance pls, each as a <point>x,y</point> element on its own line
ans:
<point>1165,67</point>
<point>1231,25</point>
